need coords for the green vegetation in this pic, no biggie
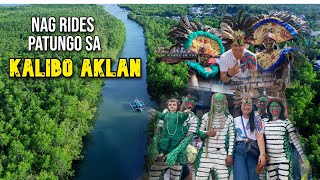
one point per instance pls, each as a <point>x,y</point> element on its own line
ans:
<point>159,10</point>
<point>43,121</point>
<point>303,95</point>
<point>163,80</point>
<point>303,101</point>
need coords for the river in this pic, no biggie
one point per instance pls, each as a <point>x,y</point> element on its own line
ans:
<point>116,147</point>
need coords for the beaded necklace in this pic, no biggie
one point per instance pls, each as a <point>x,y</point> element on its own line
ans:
<point>171,134</point>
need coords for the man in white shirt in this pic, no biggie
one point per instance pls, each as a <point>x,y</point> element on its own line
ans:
<point>231,65</point>
<point>236,62</point>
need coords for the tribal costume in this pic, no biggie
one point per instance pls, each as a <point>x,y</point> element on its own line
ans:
<point>202,40</point>
<point>173,145</point>
<point>262,104</point>
<point>236,33</point>
<point>270,30</point>
<point>216,149</point>
<point>279,131</point>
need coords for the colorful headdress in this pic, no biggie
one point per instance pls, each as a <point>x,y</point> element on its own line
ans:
<point>189,102</point>
<point>246,94</point>
<point>282,25</point>
<point>237,31</point>
<point>197,38</point>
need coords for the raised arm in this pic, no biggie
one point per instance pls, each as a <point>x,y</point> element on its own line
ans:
<point>231,135</point>
<point>203,127</point>
<point>293,137</point>
<point>228,73</point>
<point>223,77</point>
<point>183,115</point>
<point>160,115</point>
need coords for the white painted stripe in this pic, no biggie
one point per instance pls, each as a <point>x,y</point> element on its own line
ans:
<point>275,142</point>
<point>154,178</point>
<point>278,160</point>
<point>275,128</point>
<point>204,169</point>
<point>276,151</point>
<point>283,172</point>
<point>279,133</point>
<point>221,167</point>
<point>157,168</point>
<point>155,173</point>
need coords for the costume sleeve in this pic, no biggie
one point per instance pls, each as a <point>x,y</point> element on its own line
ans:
<point>231,135</point>
<point>256,60</point>
<point>223,64</point>
<point>293,137</point>
<point>201,132</point>
<point>203,135</point>
<point>182,116</point>
<point>160,115</point>
<point>193,123</point>
<point>204,121</point>
<point>259,125</point>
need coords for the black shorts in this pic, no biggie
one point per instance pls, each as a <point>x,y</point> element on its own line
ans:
<point>185,171</point>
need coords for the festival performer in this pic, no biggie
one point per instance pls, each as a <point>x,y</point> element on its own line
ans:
<point>193,123</point>
<point>172,134</point>
<point>175,158</point>
<point>217,151</point>
<point>202,40</point>
<point>279,131</point>
<point>262,114</point>
<point>262,104</point>
<point>237,63</point>
<point>249,132</point>
<point>269,31</point>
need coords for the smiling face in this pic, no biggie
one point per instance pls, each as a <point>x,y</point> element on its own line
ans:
<point>246,107</point>
<point>237,50</point>
<point>269,43</point>
<point>262,103</point>
<point>275,109</point>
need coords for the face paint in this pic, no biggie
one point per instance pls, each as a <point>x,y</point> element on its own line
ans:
<point>188,102</point>
<point>263,102</point>
<point>219,102</point>
<point>275,109</point>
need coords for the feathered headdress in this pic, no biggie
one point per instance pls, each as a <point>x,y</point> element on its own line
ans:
<point>237,31</point>
<point>246,94</point>
<point>282,25</point>
<point>197,38</point>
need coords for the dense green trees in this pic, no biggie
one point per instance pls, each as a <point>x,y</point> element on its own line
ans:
<point>163,79</point>
<point>159,10</point>
<point>303,94</point>
<point>303,102</point>
<point>43,121</point>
